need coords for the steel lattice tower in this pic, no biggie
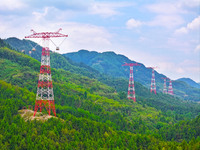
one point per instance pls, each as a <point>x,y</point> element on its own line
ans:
<point>165,86</point>
<point>45,95</point>
<point>153,81</point>
<point>170,88</point>
<point>131,87</point>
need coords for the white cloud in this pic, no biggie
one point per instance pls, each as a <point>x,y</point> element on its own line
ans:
<point>132,23</point>
<point>165,8</point>
<point>39,15</point>
<point>194,25</point>
<point>168,21</point>
<point>11,5</point>
<point>190,3</point>
<point>182,30</point>
<point>107,9</point>
<point>197,49</point>
<point>103,10</point>
<point>88,36</point>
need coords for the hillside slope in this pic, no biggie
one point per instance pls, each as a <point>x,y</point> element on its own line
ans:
<point>190,82</point>
<point>68,133</point>
<point>111,64</point>
<point>95,116</point>
<point>107,70</point>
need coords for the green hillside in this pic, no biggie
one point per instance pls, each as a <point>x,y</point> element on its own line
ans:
<point>111,64</point>
<point>94,115</point>
<point>112,68</point>
<point>190,82</point>
<point>72,133</point>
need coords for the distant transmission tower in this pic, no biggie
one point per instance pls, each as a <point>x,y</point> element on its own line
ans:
<point>45,96</point>
<point>170,88</point>
<point>131,87</point>
<point>165,86</point>
<point>153,81</point>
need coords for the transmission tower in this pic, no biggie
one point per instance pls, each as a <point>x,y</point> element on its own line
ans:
<point>153,81</point>
<point>165,86</point>
<point>170,88</point>
<point>131,88</point>
<point>45,95</point>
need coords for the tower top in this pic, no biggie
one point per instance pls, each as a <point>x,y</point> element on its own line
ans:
<point>45,35</point>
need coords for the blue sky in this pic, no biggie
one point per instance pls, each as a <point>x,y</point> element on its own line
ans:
<point>163,33</point>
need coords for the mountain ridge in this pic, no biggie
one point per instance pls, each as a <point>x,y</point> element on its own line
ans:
<point>141,73</point>
<point>97,66</point>
<point>190,82</point>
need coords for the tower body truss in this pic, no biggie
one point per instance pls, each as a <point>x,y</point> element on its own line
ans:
<point>131,87</point>
<point>153,80</point>
<point>170,88</point>
<point>45,95</point>
<point>164,86</point>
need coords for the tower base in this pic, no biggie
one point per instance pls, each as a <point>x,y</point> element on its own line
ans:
<point>133,98</point>
<point>48,104</point>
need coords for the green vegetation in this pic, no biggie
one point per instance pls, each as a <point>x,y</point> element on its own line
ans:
<point>111,64</point>
<point>95,116</point>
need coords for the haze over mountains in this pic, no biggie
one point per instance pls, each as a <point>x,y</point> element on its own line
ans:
<point>109,65</point>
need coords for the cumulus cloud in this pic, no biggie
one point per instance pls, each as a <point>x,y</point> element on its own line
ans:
<point>11,5</point>
<point>107,9</point>
<point>194,25</point>
<point>132,23</point>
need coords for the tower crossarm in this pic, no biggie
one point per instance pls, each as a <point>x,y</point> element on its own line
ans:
<point>46,34</point>
<point>131,64</point>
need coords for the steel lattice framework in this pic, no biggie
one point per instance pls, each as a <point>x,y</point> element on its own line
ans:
<point>45,95</point>
<point>131,87</point>
<point>170,88</point>
<point>153,80</point>
<point>165,86</point>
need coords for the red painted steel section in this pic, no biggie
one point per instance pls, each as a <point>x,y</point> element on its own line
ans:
<point>45,96</point>
<point>131,87</point>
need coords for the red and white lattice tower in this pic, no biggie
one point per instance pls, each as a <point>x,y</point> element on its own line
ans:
<point>165,86</point>
<point>45,95</point>
<point>170,88</point>
<point>153,81</point>
<point>131,87</point>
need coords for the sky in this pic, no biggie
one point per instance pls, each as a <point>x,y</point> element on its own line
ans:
<point>157,33</point>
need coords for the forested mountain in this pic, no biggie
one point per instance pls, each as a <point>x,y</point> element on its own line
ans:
<point>111,63</point>
<point>103,70</point>
<point>190,82</point>
<point>95,116</point>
